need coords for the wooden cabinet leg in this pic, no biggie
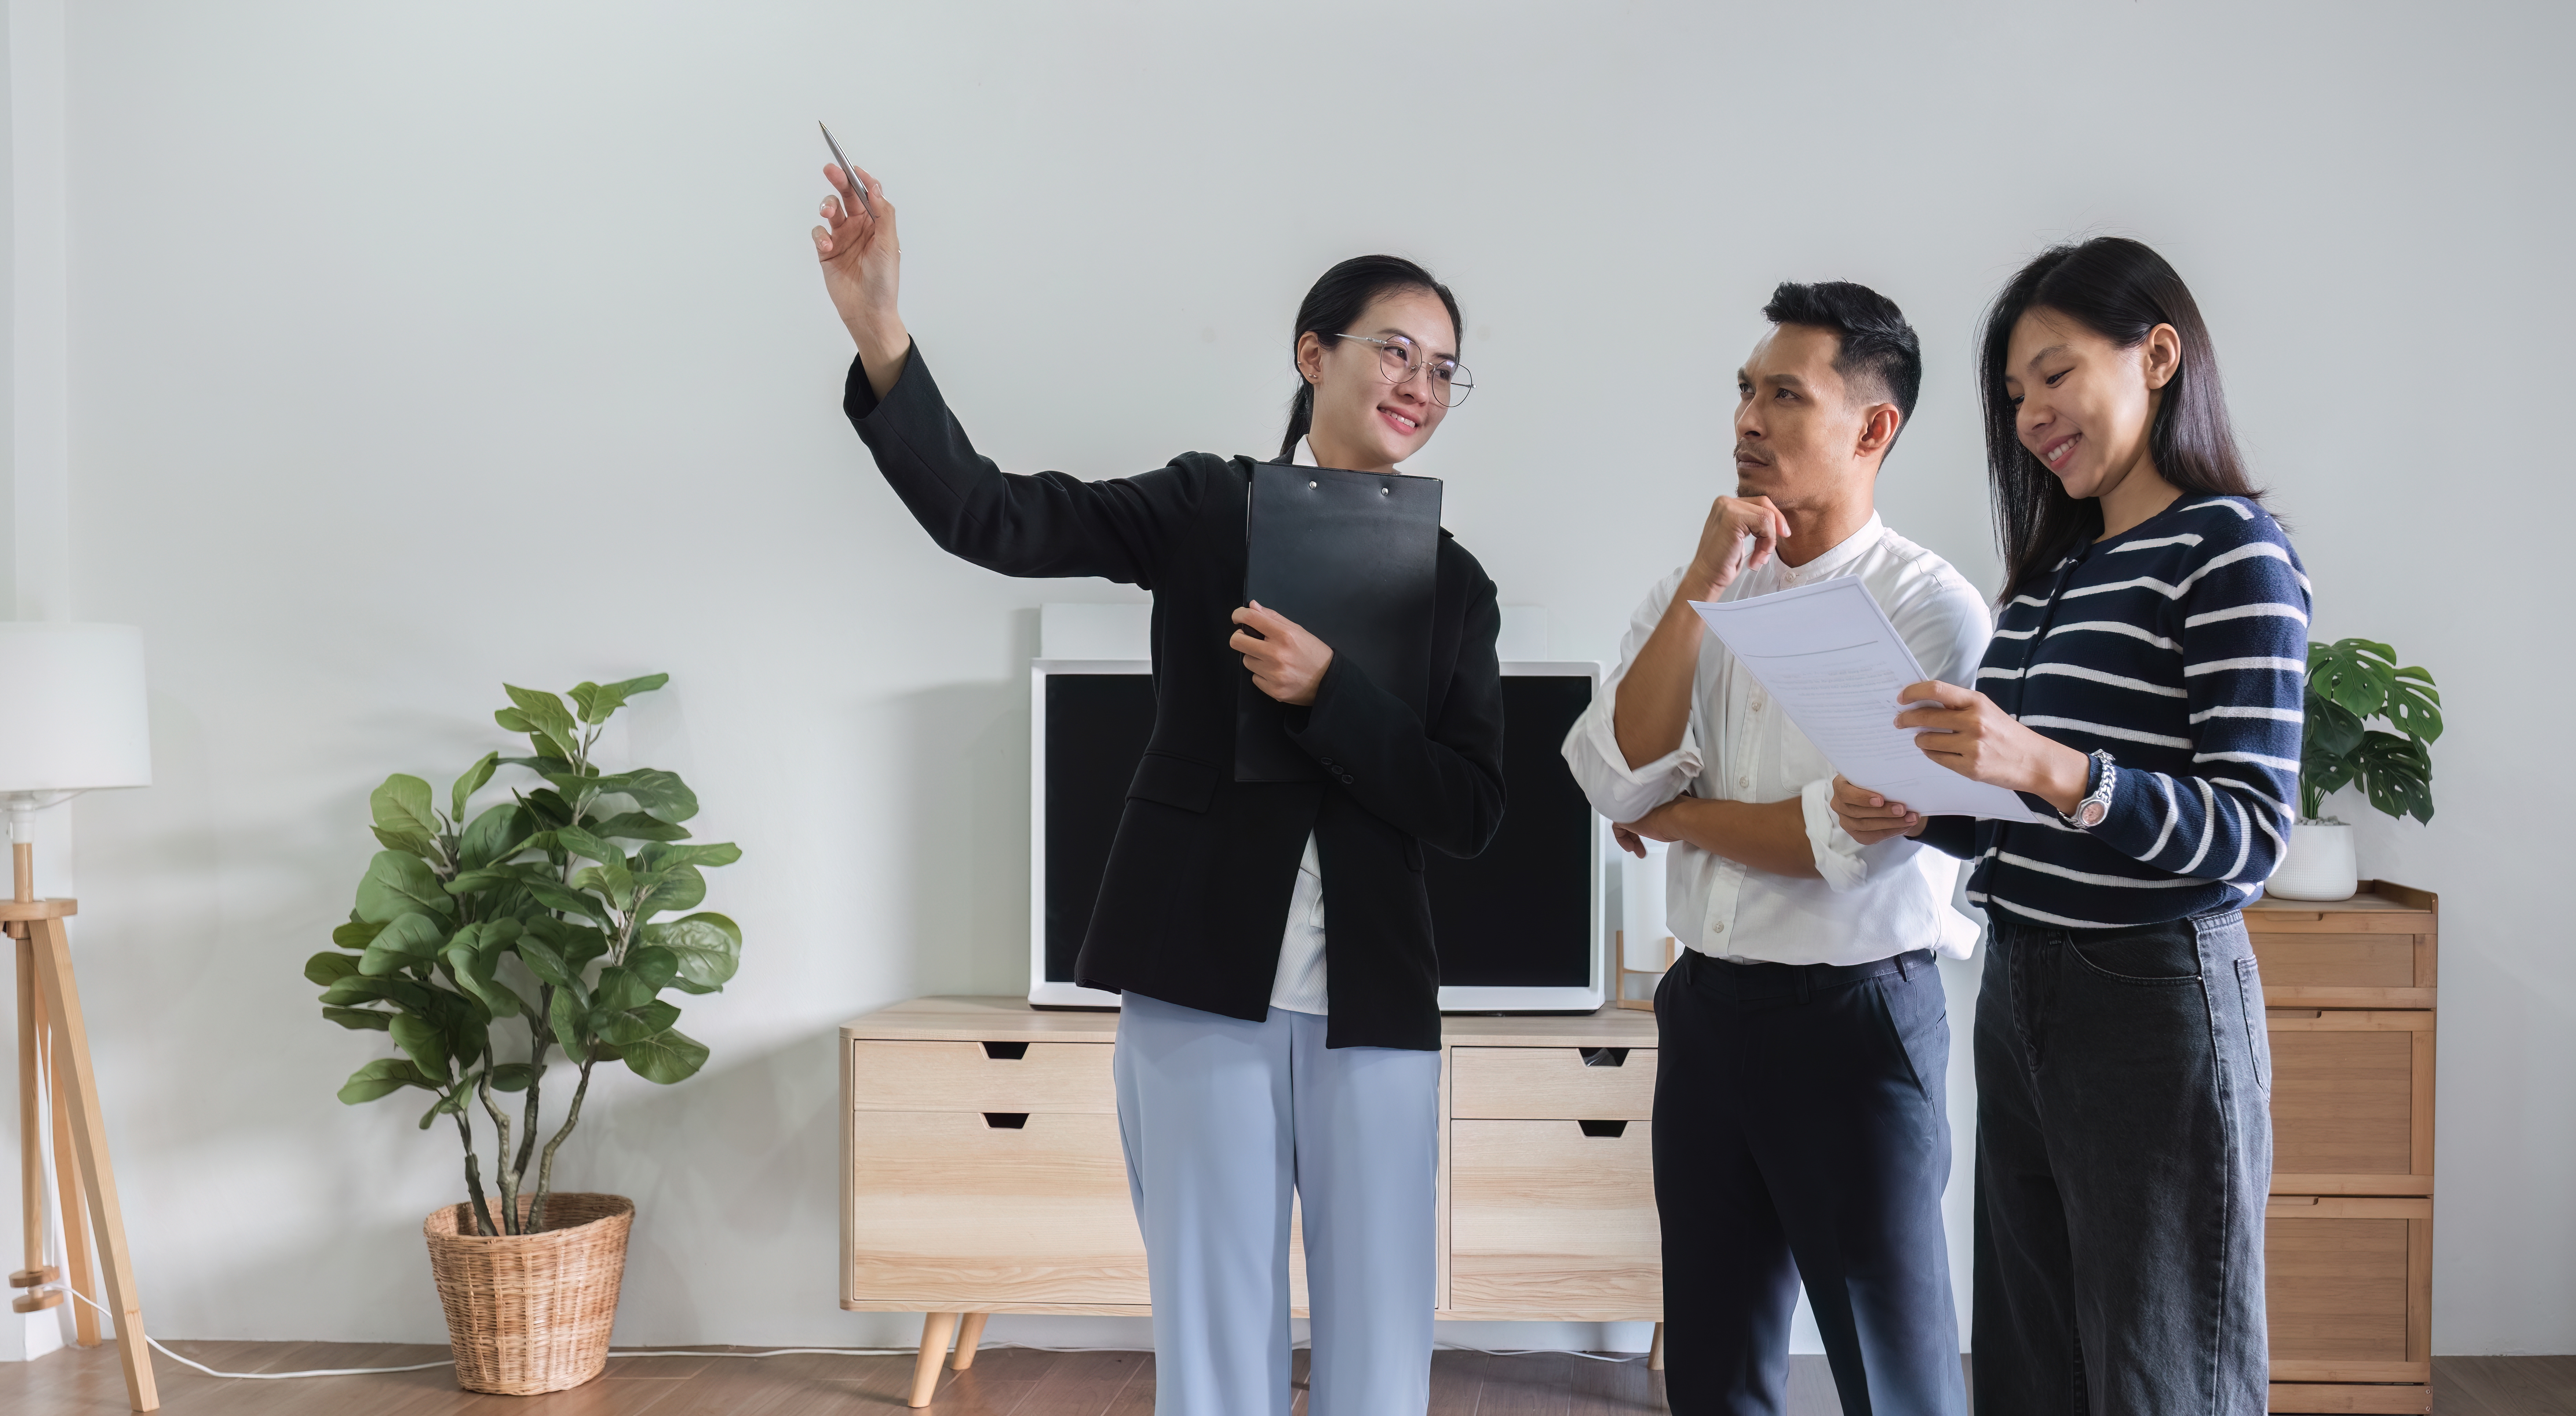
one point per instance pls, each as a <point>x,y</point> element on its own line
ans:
<point>1655,1353</point>
<point>969,1333</point>
<point>936,1329</point>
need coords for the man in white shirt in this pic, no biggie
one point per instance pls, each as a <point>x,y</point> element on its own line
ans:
<point>1800,1126</point>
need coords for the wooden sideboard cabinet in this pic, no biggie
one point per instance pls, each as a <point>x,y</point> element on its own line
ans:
<point>982,1171</point>
<point>2349,987</point>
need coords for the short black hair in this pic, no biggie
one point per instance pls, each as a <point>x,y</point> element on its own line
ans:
<point>1877,344</point>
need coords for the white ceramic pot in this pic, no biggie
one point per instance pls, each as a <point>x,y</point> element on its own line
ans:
<point>2318,865</point>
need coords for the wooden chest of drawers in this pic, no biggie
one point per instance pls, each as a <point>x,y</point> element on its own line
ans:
<point>2350,989</point>
<point>982,1168</point>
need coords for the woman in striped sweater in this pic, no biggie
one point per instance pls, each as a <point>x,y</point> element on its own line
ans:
<point>2142,692</point>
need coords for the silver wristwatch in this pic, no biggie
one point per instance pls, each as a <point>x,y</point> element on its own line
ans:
<point>2089,812</point>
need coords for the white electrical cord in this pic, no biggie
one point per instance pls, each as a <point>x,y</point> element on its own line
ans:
<point>766,1352</point>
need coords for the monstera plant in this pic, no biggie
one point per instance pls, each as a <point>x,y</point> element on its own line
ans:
<point>2350,682</point>
<point>495,946</point>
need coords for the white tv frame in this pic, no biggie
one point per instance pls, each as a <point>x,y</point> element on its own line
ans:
<point>1045,993</point>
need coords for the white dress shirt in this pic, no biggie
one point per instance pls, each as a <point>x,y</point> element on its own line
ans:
<point>1873,902</point>
<point>1299,984</point>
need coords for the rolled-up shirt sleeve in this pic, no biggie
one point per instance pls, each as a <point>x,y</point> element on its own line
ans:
<point>1618,789</point>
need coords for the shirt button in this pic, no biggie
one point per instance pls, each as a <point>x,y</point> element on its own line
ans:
<point>1717,929</point>
<point>1746,783</point>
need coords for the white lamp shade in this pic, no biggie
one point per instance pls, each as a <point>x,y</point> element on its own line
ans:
<point>72,711</point>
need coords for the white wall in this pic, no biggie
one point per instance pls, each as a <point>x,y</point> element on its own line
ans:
<point>417,348</point>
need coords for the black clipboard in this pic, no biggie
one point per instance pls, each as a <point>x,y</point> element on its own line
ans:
<point>1354,558</point>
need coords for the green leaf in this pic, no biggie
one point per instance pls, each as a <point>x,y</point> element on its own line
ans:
<point>576,944</point>
<point>590,847</point>
<point>493,836</point>
<point>709,948</point>
<point>612,881</point>
<point>359,1019</point>
<point>402,806</point>
<point>674,1056</point>
<point>382,1077</point>
<point>328,969</point>
<point>2397,775</point>
<point>636,826</point>
<point>2331,729</point>
<point>397,885</point>
<point>710,855</point>
<point>679,888</point>
<point>406,842</point>
<point>472,782</point>
<point>619,990</point>
<point>546,718</point>
<point>566,1016</point>
<point>2414,705</point>
<point>513,1077</point>
<point>425,1043</point>
<point>638,1025</point>
<point>597,703</point>
<point>449,1104</point>
<point>661,794</point>
<point>546,964</point>
<point>555,896</point>
<point>654,964</point>
<point>411,941</point>
<point>474,954</point>
<point>402,992</point>
<point>356,934</point>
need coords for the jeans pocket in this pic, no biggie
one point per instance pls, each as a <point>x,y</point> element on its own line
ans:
<point>2258,1034</point>
<point>2163,954</point>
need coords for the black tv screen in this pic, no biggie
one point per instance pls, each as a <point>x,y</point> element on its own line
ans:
<point>1517,916</point>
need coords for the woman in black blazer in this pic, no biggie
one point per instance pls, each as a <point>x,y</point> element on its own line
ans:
<point>1259,1053</point>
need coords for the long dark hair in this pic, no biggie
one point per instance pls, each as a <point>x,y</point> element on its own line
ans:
<point>2121,290</point>
<point>1336,303</point>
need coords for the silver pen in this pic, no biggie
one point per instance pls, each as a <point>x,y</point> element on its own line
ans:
<point>847,170</point>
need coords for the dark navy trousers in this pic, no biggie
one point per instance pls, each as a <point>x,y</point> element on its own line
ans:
<point>1802,1135</point>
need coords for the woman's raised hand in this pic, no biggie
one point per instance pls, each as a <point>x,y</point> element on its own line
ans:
<point>862,262</point>
<point>1970,734</point>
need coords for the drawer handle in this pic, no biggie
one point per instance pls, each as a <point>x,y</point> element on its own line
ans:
<point>1006,1120</point>
<point>1611,1129</point>
<point>1604,1056</point>
<point>1006,1051</point>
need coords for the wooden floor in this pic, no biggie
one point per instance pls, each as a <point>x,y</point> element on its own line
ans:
<point>1003,1380</point>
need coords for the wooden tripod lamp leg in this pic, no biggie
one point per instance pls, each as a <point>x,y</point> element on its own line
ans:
<point>61,999</point>
<point>31,1147</point>
<point>67,1189</point>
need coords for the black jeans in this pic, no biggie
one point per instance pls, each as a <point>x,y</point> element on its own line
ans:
<point>1801,1133</point>
<point>2124,1147</point>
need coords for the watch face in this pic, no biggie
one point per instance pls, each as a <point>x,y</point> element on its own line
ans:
<point>2091,813</point>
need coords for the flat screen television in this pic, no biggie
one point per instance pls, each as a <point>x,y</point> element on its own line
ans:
<point>1519,928</point>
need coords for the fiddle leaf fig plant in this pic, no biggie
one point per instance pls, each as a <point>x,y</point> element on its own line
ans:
<point>2350,682</point>
<point>485,943</point>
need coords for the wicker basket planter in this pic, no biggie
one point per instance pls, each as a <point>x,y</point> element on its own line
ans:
<point>530,1313</point>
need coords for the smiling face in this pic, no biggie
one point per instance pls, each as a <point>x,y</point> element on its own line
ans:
<point>1366,423</point>
<point>2082,404</point>
<point>1802,434</point>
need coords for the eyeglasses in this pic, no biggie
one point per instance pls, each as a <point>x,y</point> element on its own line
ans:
<point>1398,361</point>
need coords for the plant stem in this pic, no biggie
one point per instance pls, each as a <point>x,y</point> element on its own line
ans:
<point>538,1041</point>
<point>546,1167</point>
<point>501,1126</point>
<point>474,1178</point>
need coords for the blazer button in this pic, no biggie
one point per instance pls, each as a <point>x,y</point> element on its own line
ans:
<point>1346,777</point>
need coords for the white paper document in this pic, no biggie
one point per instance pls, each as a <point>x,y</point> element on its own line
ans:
<point>1827,652</point>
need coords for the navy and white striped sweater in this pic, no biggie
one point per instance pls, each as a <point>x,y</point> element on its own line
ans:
<point>2181,648</point>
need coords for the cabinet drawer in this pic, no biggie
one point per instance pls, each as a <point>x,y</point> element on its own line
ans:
<point>2348,1284</point>
<point>1547,1222</point>
<point>1056,1077</point>
<point>1552,1083</point>
<point>950,1213</point>
<point>2344,969</point>
<point>2352,1102</point>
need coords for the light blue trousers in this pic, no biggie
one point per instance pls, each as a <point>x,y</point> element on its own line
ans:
<point>1223,1120</point>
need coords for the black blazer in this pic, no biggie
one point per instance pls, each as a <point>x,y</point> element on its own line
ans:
<point>1195,897</point>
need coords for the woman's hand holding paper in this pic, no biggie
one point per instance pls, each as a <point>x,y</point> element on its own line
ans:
<point>1967,732</point>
